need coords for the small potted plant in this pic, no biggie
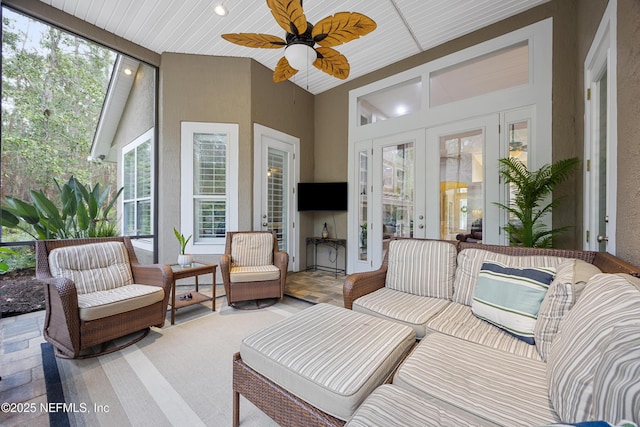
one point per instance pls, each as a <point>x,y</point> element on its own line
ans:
<point>184,260</point>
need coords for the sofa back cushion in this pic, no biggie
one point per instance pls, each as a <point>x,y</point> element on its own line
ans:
<point>583,350</point>
<point>510,297</point>
<point>93,267</point>
<point>252,249</point>
<point>470,262</point>
<point>421,267</point>
<point>570,279</point>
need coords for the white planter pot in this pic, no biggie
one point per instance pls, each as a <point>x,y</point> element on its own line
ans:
<point>185,260</point>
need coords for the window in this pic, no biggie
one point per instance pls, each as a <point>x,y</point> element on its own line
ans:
<point>395,101</point>
<point>137,196</point>
<point>209,184</point>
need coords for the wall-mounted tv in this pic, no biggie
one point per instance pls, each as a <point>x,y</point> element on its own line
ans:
<point>322,196</point>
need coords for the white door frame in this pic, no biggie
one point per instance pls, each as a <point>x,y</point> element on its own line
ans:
<point>601,57</point>
<point>263,138</point>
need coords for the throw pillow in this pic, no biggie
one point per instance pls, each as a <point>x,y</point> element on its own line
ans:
<point>510,297</point>
<point>563,292</point>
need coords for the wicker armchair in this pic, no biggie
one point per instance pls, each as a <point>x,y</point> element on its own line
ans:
<point>96,291</point>
<point>253,268</point>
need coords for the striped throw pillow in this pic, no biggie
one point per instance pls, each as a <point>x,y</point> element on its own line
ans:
<point>510,297</point>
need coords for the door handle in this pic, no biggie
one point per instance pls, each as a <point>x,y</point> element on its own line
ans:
<point>602,238</point>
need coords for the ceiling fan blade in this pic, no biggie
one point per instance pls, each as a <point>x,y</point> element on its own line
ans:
<point>283,71</point>
<point>266,41</point>
<point>332,62</point>
<point>341,28</point>
<point>289,15</point>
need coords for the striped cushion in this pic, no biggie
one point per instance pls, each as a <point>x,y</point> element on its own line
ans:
<point>93,267</point>
<point>390,405</point>
<point>608,301</point>
<point>257,273</point>
<point>97,305</point>
<point>249,249</point>
<point>566,288</point>
<point>616,387</point>
<point>510,297</point>
<point>503,388</point>
<point>458,321</point>
<point>470,261</point>
<point>408,309</point>
<point>421,267</point>
<point>329,356</point>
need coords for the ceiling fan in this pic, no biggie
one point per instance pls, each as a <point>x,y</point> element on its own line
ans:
<point>302,36</point>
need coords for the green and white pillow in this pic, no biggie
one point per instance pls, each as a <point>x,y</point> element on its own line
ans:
<point>510,297</point>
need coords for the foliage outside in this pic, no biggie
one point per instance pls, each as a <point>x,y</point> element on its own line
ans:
<point>79,212</point>
<point>53,89</point>
<point>182,240</point>
<point>532,188</point>
<point>3,265</point>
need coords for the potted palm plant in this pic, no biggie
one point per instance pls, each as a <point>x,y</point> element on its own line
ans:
<point>532,188</point>
<point>184,260</point>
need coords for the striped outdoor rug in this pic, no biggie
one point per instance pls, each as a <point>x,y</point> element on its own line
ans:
<point>179,375</point>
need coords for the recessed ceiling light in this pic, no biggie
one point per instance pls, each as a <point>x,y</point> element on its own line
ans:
<point>220,9</point>
<point>128,71</point>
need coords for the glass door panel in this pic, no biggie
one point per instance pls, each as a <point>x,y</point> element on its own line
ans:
<point>363,203</point>
<point>277,200</point>
<point>601,144</point>
<point>398,185</point>
<point>461,184</point>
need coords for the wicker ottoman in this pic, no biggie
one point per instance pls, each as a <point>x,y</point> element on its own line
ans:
<point>320,363</point>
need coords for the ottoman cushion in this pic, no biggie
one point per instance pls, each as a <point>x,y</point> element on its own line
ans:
<point>329,356</point>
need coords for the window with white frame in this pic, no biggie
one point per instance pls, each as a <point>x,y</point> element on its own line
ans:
<point>209,186</point>
<point>137,196</point>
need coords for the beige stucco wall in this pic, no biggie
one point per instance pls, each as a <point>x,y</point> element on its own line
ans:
<point>628,195</point>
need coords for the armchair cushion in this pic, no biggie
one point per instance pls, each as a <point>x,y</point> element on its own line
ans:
<point>93,267</point>
<point>251,249</point>
<point>257,273</point>
<point>96,305</point>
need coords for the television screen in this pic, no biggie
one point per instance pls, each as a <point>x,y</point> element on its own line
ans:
<point>322,196</point>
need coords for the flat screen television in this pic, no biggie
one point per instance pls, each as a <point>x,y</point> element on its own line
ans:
<point>322,196</point>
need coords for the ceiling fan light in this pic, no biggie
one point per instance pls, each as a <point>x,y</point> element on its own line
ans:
<point>300,56</point>
<point>220,9</point>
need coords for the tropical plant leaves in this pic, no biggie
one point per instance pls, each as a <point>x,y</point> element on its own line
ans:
<point>283,71</point>
<point>289,15</point>
<point>528,206</point>
<point>265,41</point>
<point>332,62</point>
<point>341,28</point>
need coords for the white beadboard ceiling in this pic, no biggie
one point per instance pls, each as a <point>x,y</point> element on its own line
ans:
<point>405,27</point>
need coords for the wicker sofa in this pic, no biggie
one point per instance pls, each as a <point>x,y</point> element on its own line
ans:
<point>466,371</point>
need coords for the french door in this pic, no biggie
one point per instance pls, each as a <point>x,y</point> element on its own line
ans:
<point>275,176</point>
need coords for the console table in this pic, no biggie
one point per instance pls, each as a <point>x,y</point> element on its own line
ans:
<point>333,243</point>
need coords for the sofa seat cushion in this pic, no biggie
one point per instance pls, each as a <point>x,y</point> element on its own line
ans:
<point>390,405</point>
<point>458,321</point>
<point>609,304</point>
<point>93,267</point>
<point>258,273</point>
<point>411,310</point>
<point>329,356</point>
<point>504,388</point>
<point>421,267</point>
<point>470,262</point>
<point>96,305</point>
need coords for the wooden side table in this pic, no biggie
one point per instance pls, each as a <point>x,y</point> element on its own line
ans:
<point>196,269</point>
